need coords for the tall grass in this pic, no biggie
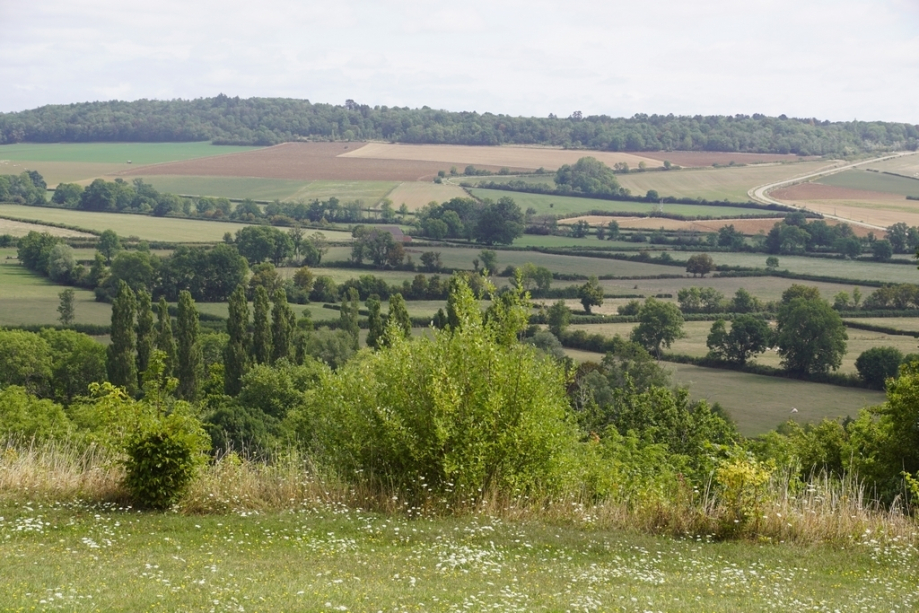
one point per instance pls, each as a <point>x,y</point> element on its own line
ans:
<point>821,509</point>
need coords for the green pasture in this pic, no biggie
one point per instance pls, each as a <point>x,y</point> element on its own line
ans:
<point>77,557</point>
<point>370,192</point>
<point>858,178</point>
<point>758,403</point>
<point>569,205</point>
<point>108,153</point>
<point>730,183</point>
<point>553,242</point>
<point>29,299</point>
<point>171,229</point>
<point>830,267</point>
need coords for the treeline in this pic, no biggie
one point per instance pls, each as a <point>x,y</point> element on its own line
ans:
<point>267,121</point>
<point>25,188</point>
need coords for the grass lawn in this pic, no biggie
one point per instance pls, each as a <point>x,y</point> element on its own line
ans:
<point>569,205</point>
<point>29,299</point>
<point>144,227</point>
<point>716,183</point>
<point>108,153</point>
<point>858,178</point>
<point>346,560</point>
<point>909,324</point>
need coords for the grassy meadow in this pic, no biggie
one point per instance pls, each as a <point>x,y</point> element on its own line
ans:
<point>546,204</point>
<point>328,558</point>
<point>170,229</point>
<point>108,153</point>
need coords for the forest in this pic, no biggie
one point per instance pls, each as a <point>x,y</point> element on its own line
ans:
<point>268,121</point>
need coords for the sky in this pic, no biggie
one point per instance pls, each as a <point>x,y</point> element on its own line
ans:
<point>830,59</point>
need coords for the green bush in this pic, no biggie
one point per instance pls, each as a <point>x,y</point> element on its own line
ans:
<point>162,459</point>
<point>23,415</point>
<point>460,414</point>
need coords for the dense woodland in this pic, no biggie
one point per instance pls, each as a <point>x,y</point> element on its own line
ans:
<point>267,121</point>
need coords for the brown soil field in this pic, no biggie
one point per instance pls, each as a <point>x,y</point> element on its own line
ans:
<point>707,158</point>
<point>747,226</point>
<point>520,158</point>
<point>818,191</point>
<point>416,194</point>
<point>300,161</point>
<point>21,228</point>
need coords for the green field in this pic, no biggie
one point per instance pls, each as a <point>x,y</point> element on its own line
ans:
<point>77,557</point>
<point>759,403</point>
<point>169,229</point>
<point>28,299</point>
<point>830,267</point>
<point>716,183</point>
<point>109,153</point>
<point>370,192</point>
<point>589,242</point>
<point>858,178</point>
<point>764,288</point>
<point>569,205</point>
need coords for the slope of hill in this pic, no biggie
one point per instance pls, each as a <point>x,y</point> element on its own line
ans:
<point>265,121</point>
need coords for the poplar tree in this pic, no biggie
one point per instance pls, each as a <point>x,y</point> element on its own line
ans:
<point>121,364</point>
<point>261,327</point>
<point>349,315</point>
<point>398,314</point>
<point>165,342</point>
<point>236,353</point>
<point>146,332</point>
<point>283,322</point>
<point>189,359</point>
<point>374,323</point>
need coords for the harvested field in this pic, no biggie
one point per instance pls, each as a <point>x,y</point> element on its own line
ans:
<point>907,165</point>
<point>300,161</point>
<point>21,228</point>
<point>858,178</point>
<point>524,158</point>
<point>707,158</point>
<point>819,191</point>
<point>881,209</point>
<point>750,227</point>
<point>416,194</point>
<point>717,183</point>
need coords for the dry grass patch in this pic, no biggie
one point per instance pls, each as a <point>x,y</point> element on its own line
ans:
<point>21,228</point>
<point>416,194</point>
<point>528,158</point>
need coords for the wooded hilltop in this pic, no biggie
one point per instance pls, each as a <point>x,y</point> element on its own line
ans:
<point>268,121</point>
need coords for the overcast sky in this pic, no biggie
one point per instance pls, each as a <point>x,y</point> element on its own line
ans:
<point>831,59</point>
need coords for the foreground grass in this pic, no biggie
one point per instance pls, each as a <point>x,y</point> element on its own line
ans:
<point>337,559</point>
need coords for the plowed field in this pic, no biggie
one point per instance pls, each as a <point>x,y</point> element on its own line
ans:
<point>300,161</point>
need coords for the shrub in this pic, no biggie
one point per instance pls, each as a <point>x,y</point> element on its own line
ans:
<point>162,459</point>
<point>878,364</point>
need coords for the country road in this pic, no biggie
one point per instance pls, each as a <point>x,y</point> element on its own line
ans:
<point>759,194</point>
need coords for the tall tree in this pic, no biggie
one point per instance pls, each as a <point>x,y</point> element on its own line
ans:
<point>190,361</point>
<point>66,308</point>
<point>146,332</point>
<point>810,335</point>
<point>398,314</point>
<point>375,328</point>
<point>261,327</point>
<point>121,364</point>
<point>349,317</point>
<point>165,342</point>
<point>236,353</point>
<point>660,323</point>
<point>283,322</point>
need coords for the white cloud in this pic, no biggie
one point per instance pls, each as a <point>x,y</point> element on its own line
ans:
<point>830,59</point>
